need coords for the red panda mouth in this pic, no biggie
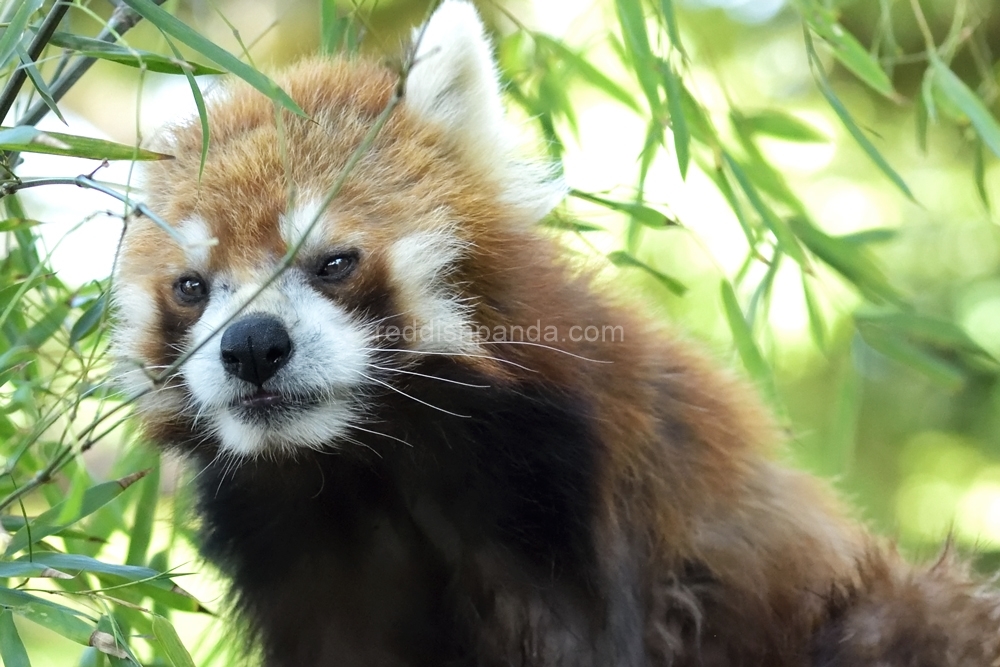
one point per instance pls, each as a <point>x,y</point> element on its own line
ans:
<point>267,404</point>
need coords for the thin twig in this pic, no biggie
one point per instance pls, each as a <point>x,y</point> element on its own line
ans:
<point>86,182</point>
<point>17,79</point>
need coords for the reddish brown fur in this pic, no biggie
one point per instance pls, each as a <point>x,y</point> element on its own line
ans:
<point>684,472</point>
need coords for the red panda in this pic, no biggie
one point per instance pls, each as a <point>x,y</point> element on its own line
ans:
<point>389,482</point>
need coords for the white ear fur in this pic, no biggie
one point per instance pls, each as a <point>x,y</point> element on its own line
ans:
<point>454,83</point>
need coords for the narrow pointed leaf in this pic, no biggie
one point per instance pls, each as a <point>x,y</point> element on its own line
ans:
<point>752,359</point>
<point>621,258</point>
<point>845,117</point>
<point>183,33</point>
<point>95,498</point>
<point>171,643</point>
<point>15,29</point>
<point>12,651</point>
<point>789,244</point>
<point>785,126</point>
<point>588,72</point>
<point>38,82</point>
<point>648,216</point>
<point>30,140</point>
<point>678,123</point>
<point>956,92</point>
<point>849,51</point>
<point>154,62</point>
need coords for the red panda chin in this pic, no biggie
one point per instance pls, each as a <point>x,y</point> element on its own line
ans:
<point>394,470</point>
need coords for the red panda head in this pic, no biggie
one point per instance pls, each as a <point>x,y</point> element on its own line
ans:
<point>274,358</point>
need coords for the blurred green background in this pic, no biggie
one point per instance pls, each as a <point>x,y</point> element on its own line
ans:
<point>800,184</point>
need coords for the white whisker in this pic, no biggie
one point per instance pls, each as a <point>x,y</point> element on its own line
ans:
<point>413,398</point>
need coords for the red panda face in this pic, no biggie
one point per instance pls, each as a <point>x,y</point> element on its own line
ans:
<point>263,319</point>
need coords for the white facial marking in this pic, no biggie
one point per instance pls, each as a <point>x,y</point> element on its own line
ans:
<point>198,242</point>
<point>297,222</point>
<point>328,360</point>
<point>419,263</point>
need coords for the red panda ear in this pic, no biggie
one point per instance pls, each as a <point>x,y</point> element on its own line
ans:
<point>454,83</point>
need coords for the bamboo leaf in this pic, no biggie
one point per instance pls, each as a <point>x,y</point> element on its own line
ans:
<point>849,51</point>
<point>639,212</point>
<point>88,321</point>
<point>753,360</point>
<point>61,620</point>
<point>852,127</point>
<point>847,259</point>
<point>910,355</point>
<point>39,83</point>
<point>45,327</point>
<point>789,244</point>
<point>678,123</point>
<point>199,102</point>
<point>588,72</point>
<point>154,62</point>
<point>782,125</point>
<point>956,92</point>
<point>670,18</point>
<point>12,649</point>
<point>16,28</point>
<point>30,140</point>
<point>186,35</point>
<point>633,24</point>
<point>621,258</point>
<point>171,643</point>
<point>46,523</point>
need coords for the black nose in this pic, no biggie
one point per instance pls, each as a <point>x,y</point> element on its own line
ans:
<point>254,348</point>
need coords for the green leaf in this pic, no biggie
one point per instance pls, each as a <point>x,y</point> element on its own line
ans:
<point>753,360</point>
<point>782,125</point>
<point>644,214</point>
<point>979,174</point>
<point>199,102</point>
<point>557,222</point>
<point>46,523</point>
<point>852,127</point>
<point>15,29</point>
<point>186,35</point>
<point>45,327</point>
<point>849,51</point>
<point>588,72</point>
<point>88,321</point>
<point>12,650</point>
<point>956,92</point>
<point>848,259</point>
<point>39,83</point>
<point>670,18</point>
<point>621,258</point>
<point>339,33</point>
<point>789,244</point>
<point>172,645</point>
<point>910,355</point>
<point>869,236</point>
<point>29,569</point>
<point>816,325</point>
<point>61,620</point>
<point>145,514</point>
<point>30,140</point>
<point>153,62</point>
<point>678,123</point>
<point>633,24</point>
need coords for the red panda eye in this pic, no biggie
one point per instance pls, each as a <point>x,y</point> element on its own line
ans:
<point>191,289</point>
<point>335,268</point>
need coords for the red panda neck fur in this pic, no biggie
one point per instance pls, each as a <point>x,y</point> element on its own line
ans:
<point>488,502</point>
